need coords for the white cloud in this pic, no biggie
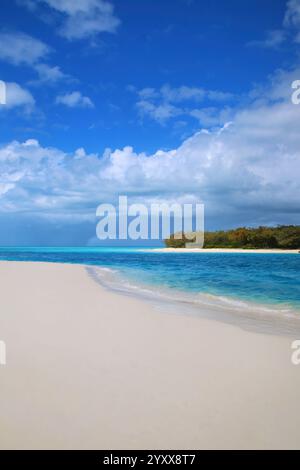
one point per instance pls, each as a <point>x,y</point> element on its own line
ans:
<point>21,49</point>
<point>292,18</point>
<point>248,171</point>
<point>272,40</point>
<point>50,74</point>
<point>145,93</point>
<point>16,96</point>
<point>185,93</point>
<point>292,15</point>
<point>162,104</point>
<point>159,112</point>
<point>291,28</point>
<point>84,18</point>
<point>212,116</point>
<point>182,93</point>
<point>75,100</point>
<point>72,7</point>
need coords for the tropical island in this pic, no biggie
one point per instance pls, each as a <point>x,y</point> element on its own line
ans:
<point>282,237</point>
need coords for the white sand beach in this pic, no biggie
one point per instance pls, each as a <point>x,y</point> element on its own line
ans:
<point>91,369</point>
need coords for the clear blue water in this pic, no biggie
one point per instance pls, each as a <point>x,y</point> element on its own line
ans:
<point>272,279</point>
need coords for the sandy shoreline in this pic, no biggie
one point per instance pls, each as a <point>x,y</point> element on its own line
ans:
<point>222,250</point>
<point>87,368</point>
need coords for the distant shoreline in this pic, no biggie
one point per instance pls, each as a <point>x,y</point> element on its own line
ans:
<point>224,250</point>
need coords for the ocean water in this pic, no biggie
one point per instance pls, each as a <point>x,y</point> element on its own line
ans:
<point>249,282</point>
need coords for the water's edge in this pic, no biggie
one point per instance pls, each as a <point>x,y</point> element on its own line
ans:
<point>246,315</point>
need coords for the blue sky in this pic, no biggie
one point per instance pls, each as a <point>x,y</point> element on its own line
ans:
<point>169,100</point>
<point>172,42</point>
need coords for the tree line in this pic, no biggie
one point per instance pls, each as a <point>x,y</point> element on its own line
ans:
<point>283,237</point>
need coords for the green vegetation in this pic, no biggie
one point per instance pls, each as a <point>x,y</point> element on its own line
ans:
<point>283,237</point>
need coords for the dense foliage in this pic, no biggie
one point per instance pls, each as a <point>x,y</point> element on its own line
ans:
<point>283,237</point>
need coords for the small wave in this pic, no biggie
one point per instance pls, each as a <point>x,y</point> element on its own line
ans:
<point>227,302</point>
<point>248,315</point>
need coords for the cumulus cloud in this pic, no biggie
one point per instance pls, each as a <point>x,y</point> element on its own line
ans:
<point>212,116</point>
<point>20,49</point>
<point>75,100</point>
<point>83,18</point>
<point>247,171</point>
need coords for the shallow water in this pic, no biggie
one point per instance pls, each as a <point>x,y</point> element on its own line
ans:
<point>260,286</point>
